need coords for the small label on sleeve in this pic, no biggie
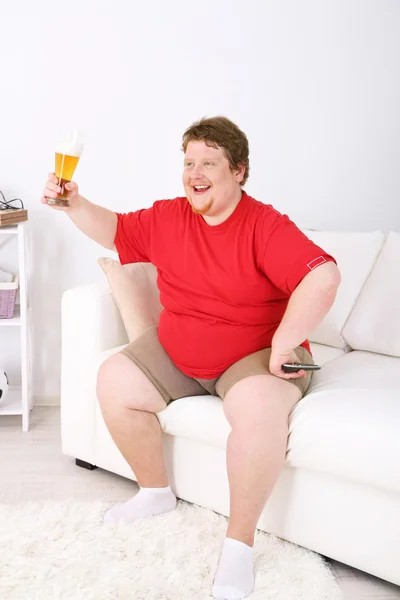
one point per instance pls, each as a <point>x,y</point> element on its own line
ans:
<point>316,262</point>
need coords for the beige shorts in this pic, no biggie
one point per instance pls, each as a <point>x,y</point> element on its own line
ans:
<point>148,354</point>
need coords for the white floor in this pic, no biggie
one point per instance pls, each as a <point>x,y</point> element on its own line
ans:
<point>32,467</point>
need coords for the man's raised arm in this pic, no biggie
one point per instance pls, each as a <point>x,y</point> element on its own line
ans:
<point>98,223</point>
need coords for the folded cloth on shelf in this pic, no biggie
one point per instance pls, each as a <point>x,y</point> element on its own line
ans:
<point>5,277</point>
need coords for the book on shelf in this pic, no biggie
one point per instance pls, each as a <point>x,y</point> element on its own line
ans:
<point>12,216</point>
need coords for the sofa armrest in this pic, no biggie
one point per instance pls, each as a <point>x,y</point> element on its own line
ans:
<point>91,324</point>
<point>91,319</point>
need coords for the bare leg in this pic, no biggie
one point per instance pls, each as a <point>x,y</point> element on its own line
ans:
<point>257,409</point>
<point>128,402</point>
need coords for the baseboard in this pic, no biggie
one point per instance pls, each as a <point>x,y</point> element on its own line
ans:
<point>46,400</point>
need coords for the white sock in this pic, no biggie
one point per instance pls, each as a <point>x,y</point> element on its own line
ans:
<point>234,578</point>
<point>146,503</point>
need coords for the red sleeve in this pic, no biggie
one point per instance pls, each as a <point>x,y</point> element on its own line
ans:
<point>132,239</point>
<point>290,255</point>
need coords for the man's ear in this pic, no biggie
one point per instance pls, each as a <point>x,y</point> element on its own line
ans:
<point>240,173</point>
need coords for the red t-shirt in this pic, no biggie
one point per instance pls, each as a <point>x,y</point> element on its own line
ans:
<point>224,288</point>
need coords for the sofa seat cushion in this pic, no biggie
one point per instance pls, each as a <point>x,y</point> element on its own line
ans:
<point>348,422</point>
<point>347,425</point>
<point>358,370</point>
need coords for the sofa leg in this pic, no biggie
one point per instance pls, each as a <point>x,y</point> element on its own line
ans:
<point>84,464</point>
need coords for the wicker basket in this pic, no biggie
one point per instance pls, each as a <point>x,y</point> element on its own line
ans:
<point>8,294</point>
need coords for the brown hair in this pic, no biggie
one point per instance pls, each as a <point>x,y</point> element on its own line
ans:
<point>221,132</point>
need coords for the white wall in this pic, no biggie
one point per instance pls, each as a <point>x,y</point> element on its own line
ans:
<point>313,83</point>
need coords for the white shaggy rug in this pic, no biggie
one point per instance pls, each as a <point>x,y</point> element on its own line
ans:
<point>61,551</point>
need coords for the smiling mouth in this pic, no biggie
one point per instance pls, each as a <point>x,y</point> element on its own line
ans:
<point>201,189</point>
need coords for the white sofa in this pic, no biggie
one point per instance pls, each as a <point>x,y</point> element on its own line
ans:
<point>339,492</point>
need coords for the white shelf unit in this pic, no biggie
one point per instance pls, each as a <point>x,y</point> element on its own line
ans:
<point>19,400</point>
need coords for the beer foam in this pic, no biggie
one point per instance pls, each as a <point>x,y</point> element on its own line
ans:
<point>70,148</point>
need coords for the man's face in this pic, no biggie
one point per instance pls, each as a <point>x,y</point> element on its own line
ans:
<point>209,183</point>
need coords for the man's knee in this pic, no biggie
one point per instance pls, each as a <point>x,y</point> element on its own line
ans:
<point>260,398</point>
<point>121,382</point>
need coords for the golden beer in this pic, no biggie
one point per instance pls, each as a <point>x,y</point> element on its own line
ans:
<point>65,166</point>
<point>67,157</point>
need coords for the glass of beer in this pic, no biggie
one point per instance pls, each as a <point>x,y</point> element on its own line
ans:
<point>68,153</point>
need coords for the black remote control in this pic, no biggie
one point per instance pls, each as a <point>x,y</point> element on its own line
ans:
<point>295,367</point>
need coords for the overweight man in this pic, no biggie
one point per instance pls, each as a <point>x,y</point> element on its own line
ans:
<point>241,288</point>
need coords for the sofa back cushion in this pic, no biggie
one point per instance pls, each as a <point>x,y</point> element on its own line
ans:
<point>355,254</point>
<point>374,323</point>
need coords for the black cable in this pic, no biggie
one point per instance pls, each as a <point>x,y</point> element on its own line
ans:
<point>7,204</point>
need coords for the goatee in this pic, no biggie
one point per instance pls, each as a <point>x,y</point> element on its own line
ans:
<point>204,210</point>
